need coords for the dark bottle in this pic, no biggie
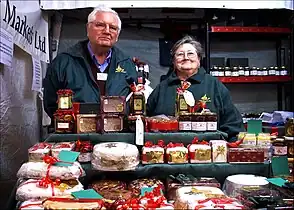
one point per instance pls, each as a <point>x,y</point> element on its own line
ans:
<point>137,104</point>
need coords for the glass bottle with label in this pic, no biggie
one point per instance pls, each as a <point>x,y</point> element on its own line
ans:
<point>137,104</point>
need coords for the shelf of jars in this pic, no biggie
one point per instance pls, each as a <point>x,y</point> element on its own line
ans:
<point>252,29</point>
<point>251,74</point>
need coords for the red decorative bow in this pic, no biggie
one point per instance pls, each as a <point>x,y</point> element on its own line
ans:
<point>236,143</point>
<point>171,145</point>
<point>160,143</point>
<point>196,141</point>
<point>65,92</point>
<point>84,146</point>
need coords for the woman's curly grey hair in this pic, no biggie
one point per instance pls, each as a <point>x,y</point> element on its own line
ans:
<point>187,40</point>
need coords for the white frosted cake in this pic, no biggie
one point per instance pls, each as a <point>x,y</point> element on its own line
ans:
<point>115,156</point>
<point>186,195</point>
<point>233,184</point>
<point>31,204</point>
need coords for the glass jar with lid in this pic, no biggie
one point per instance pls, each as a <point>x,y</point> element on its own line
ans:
<point>279,147</point>
<point>284,71</point>
<point>277,70</point>
<point>264,71</point>
<point>64,99</point>
<point>199,122</point>
<point>235,71</point>
<point>289,127</point>
<point>221,72</point>
<point>241,71</point>
<point>253,71</point>
<point>271,71</point>
<point>185,122</point>
<point>259,72</point>
<point>211,120</point>
<point>247,71</point>
<point>228,71</point>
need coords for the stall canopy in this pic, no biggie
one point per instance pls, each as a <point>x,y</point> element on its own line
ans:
<point>74,4</point>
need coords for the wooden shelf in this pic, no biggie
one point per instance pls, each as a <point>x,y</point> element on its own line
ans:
<point>255,79</point>
<point>241,29</point>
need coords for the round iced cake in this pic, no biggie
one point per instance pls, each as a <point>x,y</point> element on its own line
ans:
<point>115,156</point>
<point>234,183</point>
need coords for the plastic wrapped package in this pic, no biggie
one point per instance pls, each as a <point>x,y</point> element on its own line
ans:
<point>36,170</point>
<point>176,153</point>
<point>153,153</point>
<point>233,184</point>
<point>136,185</point>
<point>115,156</point>
<point>69,146</point>
<point>38,151</point>
<point>186,195</point>
<point>162,123</point>
<point>175,182</point>
<point>215,203</point>
<point>31,189</point>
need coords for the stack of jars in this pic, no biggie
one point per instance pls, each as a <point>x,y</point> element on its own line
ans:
<point>64,117</point>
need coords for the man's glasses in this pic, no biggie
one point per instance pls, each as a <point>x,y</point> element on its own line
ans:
<point>189,54</point>
<point>102,26</point>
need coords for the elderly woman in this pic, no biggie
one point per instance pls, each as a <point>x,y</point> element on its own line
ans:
<point>186,55</point>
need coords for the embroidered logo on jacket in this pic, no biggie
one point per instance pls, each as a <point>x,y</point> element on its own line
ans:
<point>119,69</point>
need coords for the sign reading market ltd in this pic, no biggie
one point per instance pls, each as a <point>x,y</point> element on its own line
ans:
<point>26,22</point>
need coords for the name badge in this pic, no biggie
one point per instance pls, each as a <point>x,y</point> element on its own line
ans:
<point>102,76</point>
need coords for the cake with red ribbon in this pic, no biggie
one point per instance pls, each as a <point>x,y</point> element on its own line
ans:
<point>176,153</point>
<point>153,153</point>
<point>199,151</point>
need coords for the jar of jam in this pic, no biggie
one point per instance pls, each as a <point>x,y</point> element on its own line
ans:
<point>277,70</point>
<point>199,122</point>
<point>279,147</point>
<point>211,119</point>
<point>64,121</point>
<point>253,71</point>
<point>259,72</point>
<point>235,72</point>
<point>290,146</point>
<point>241,71</point>
<point>185,123</point>
<point>264,71</point>
<point>214,71</point>
<point>228,71</point>
<point>247,71</point>
<point>64,98</point>
<point>289,127</point>
<point>221,72</point>
<point>284,71</point>
<point>271,71</point>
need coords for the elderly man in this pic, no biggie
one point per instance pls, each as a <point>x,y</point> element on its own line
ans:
<point>93,67</point>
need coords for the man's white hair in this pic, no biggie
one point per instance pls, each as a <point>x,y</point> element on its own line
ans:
<point>103,8</point>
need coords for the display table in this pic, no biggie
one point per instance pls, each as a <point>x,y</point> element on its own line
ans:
<point>95,138</point>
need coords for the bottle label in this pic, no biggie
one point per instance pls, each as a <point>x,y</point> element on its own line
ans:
<point>260,73</point>
<point>201,126</point>
<point>138,104</point>
<point>185,125</point>
<point>221,74</point>
<point>277,73</point>
<point>280,150</point>
<point>228,73</point>
<point>272,72</point>
<point>183,104</point>
<point>64,103</point>
<point>211,126</point>
<point>253,72</point>
<point>235,74</point>
<point>247,73</point>
<point>241,72</point>
<point>265,73</point>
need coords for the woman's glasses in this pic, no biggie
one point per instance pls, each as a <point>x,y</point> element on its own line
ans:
<point>189,54</point>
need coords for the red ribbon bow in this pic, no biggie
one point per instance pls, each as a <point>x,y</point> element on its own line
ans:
<point>84,146</point>
<point>236,143</point>
<point>65,92</point>
<point>160,143</point>
<point>196,141</point>
<point>171,145</point>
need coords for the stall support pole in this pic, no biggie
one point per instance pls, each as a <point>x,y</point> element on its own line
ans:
<point>207,47</point>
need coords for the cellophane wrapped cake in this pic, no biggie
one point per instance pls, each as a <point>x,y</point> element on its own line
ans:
<point>39,150</point>
<point>69,146</point>
<point>176,153</point>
